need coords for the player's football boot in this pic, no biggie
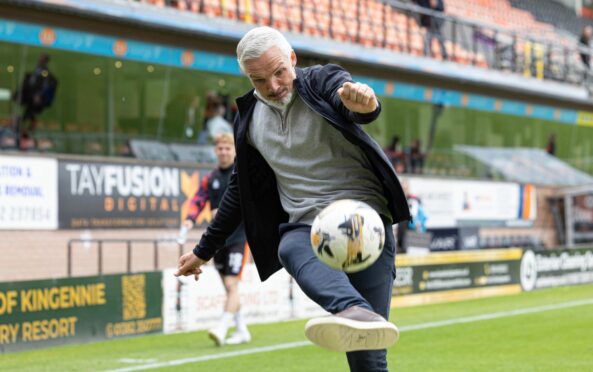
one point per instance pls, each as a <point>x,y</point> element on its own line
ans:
<point>239,338</point>
<point>217,334</point>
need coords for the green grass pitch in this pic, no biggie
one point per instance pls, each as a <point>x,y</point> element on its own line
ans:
<point>555,333</point>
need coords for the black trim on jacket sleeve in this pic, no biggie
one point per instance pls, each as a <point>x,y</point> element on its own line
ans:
<point>368,117</point>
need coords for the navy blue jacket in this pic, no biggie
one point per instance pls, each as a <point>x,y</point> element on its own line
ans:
<point>252,194</point>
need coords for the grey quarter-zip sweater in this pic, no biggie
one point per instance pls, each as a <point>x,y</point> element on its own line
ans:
<point>313,163</point>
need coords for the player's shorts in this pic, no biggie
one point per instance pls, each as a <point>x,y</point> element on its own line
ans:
<point>231,260</point>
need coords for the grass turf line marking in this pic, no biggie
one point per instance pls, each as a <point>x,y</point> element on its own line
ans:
<point>290,345</point>
<point>413,327</point>
<point>501,314</point>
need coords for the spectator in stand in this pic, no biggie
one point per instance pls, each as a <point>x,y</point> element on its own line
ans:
<point>36,93</point>
<point>585,46</point>
<point>214,121</point>
<point>212,104</point>
<point>218,125</point>
<point>417,222</point>
<point>551,146</point>
<point>396,155</point>
<point>433,26</point>
<point>415,157</point>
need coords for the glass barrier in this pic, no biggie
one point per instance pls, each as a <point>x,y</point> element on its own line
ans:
<point>102,103</point>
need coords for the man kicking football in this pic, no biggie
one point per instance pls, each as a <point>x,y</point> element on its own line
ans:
<point>300,148</point>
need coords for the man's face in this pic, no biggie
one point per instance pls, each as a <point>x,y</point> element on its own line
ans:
<point>225,152</point>
<point>272,75</point>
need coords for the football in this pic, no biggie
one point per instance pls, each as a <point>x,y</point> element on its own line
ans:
<point>348,235</point>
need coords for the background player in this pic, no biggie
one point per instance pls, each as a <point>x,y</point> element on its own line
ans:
<point>230,260</point>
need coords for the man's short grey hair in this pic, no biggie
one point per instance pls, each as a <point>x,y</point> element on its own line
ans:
<point>257,41</point>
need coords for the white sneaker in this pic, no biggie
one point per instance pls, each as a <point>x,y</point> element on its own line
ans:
<point>239,338</point>
<point>353,329</point>
<point>217,335</point>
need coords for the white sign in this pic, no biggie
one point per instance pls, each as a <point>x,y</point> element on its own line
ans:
<point>28,193</point>
<point>446,202</point>
<point>189,305</point>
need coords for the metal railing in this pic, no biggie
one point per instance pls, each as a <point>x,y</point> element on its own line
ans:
<point>101,243</point>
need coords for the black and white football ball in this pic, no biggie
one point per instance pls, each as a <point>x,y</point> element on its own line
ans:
<point>348,235</point>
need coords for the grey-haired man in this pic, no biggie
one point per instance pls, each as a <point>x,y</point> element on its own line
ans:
<point>299,148</point>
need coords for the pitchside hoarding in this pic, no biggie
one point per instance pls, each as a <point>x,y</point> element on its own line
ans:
<point>558,267</point>
<point>125,195</point>
<point>190,305</point>
<point>452,276</point>
<point>463,237</point>
<point>28,193</point>
<point>52,312</point>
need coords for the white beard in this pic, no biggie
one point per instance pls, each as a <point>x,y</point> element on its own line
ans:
<point>281,105</point>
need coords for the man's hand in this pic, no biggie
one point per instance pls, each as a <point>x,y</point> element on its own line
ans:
<point>357,97</point>
<point>189,264</point>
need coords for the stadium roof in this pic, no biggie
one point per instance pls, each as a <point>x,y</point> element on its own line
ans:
<point>527,165</point>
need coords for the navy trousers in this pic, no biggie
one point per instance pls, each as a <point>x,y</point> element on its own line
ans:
<point>335,290</point>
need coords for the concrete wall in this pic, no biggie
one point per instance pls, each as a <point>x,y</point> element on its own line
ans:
<point>29,255</point>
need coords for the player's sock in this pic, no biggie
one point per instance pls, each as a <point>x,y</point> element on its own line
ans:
<point>241,326</point>
<point>227,320</point>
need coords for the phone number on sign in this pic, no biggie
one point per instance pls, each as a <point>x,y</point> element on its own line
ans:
<point>20,214</point>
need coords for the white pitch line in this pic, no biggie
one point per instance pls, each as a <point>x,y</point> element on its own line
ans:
<point>204,358</point>
<point>501,314</point>
<point>414,327</point>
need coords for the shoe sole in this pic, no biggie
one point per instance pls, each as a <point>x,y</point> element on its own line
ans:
<point>214,338</point>
<point>343,335</point>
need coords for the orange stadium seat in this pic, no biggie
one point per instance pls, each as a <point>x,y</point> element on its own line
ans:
<point>156,2</point>
<point>189,5</point>
<point>212,8</point>
<point>366,36</point>
<point>316,17</point>
<point>278,15</point>
<point>374,23</point>
<point>229,8</point>
<point>246,10</point>
<point>262,12</point>
<point>352,25</point>
<point>392,40</point>
<point>195,6</point>
<point>339,29</point>
<point>416,44</point>
<point>324,23</point>
<point>295,21</point>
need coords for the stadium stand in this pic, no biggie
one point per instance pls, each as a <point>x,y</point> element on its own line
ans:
<point>485,33</point>
<point>553,13</point>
